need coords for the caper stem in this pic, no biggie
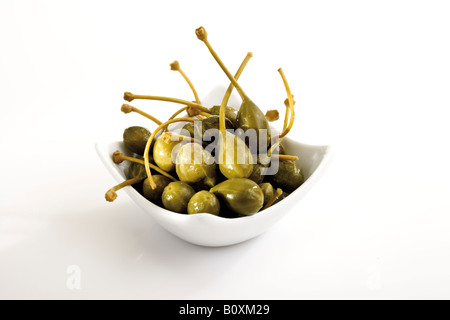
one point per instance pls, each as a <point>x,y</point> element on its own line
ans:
<point>275,145</point>
<point>277,194</point>
<point>170,136</point>
<point>176,67</point>
<point>178,112</point>
<point>111,194</point>
<point>226,97</point>
<point>202,35</point>
<point>204,114</point>
<point>130,97</point>
<point>126,108</point>
<point>197,110</point>
<point>119,157</point>
<point>286,116</point>
<point>284,157</point>
<point>175,114</point>
<point>291,104</point>
<point>149,142</point>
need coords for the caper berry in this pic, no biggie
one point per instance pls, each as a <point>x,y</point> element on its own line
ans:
<point>135,138</point>
<point>176,196</point>
<point>204,202</point>
<point>154,195</point>
<point>242,196</point>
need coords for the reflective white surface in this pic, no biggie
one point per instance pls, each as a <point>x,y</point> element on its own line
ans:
<point>368,78</point>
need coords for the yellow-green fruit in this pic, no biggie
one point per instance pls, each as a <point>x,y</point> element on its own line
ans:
<point>176,196</point>
<point>242,196</point>
<point>267,190</point>
<point>162,154</point>
<point>154,195</point>
<point>289,176</point>
<point>235,158</point>
<point>135,138</point>
<point>204,202</point>
<point>194,164</point>
<point>230,113</point>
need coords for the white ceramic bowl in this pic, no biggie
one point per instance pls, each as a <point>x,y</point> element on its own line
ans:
<point>209,230</point>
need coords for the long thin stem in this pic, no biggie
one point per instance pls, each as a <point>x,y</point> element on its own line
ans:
<point>128,96</point>
<point>204,114</point>
<point>178,112</point>
<point>149,142</point>
<point>277,194</point>
<point>203,36</point>
<point>275,145</point>
<point>184,109</point>
<point>284,157</point>
<point>174,115</point>
<point>290,103</point>
<point>170,136</point>
<point>119,157</point>
<point>286,116</point>
<point>192,111</point>
<point>111,194</point>
<point>176,67</point>
<point>226,97</point>
<point>126,108</point>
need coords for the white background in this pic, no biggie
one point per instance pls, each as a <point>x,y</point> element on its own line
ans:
<point>370,77</point>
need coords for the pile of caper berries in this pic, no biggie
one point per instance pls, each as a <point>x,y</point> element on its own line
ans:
<point>208,166</point>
